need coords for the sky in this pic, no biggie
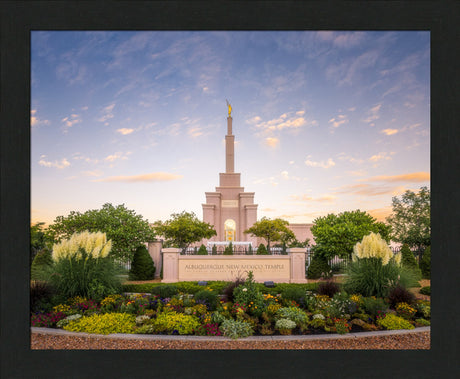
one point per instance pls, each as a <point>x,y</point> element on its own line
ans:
<point>324,122</point>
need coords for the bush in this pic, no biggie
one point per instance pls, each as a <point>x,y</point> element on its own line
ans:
<point>106,323</point>
<point>47,320</point>
<point>249,294</point>
<point>285,325</point>
<point>236,329</point>
<point>229,249</point>
<point>426,290</point>
<point>250,251</point>
<point>41,264</point>
<point>425,263</point>
<point>296,294</point>
<point>393,322</point>
<point>41,294</point>
<point>142,266</point>
<point>228,290</point>
<point>399,294</point>
<point>202,250</point>
<point>165,291</point>
<point>297,315</point>
<point>209,298</point>
<point>175,323</point>
<point>369,277</point>
<point>408,260</point>
<point>318,267</point>
<point>262,250</point>
<point>82,267</point>
<point>374,306</point>
<point>328,288</point>
<point>214,250</point>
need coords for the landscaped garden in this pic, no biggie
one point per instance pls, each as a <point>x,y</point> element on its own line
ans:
<point>84,293</point>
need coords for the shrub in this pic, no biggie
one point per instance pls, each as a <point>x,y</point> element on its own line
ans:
<point>41,294</point>
<point>318,267</point>
<point>294,314</point>
<point>106,323</point>
<point>374,269</point>
<point>296,294</point>
<point>328,288</point>
<point>249,294</point>
<point>340,305</point>
<point>202,250</point>
<point>165,291</point>
<point>250,251</point>
<point>262,250</point>
<point>393,322</point>
<point>175,323</point>
<point>82,267</point>
<point>399,294</point>
<point>230,287</point>
<point>214,250</point>
<point>142,266</point>
<point>425,263</point>
<point>209,298</point>
<point>408,260</point>
<point>41,264</point>
<point>236,329</point>
<point>65,321</point>
<point>229,249</point>
<point>422,322</point>
<point>188,287</point>
<point>423,308</point>
<point>426,290</point>
<point>285,325</point>
<point>375,307</point>
<point>341,326</point>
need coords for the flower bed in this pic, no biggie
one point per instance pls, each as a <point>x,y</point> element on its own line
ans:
<point>244,311</point>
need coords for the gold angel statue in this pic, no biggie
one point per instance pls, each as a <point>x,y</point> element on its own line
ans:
<point>229,109</point>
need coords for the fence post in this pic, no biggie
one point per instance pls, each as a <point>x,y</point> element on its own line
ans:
<point>170,265</point>
<point>154,248</point>
<point>297,258</point>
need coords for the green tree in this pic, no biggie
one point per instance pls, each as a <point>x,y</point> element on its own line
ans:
<point>39,239</point>
<point>142,266</point>
<point>229,249</point>
<point>262,250</point>
<point>202,250</point>
<point>337,234</point>
<point>410,220</point>
<point>124,227</point>
<point>182,229</point>
<point>271,230</point>
<point>425,263</point>
<point>40,264</point>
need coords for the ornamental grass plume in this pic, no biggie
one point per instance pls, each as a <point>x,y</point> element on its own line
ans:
<point>372,246</point>
<point>94,244</point>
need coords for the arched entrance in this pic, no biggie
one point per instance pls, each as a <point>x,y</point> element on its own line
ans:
<point>230,230</point>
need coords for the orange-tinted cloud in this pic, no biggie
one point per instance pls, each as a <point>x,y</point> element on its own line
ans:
<point>412,177</point>
<point>152,177</point>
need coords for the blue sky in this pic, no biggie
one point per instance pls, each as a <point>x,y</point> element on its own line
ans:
<point>323,121</point>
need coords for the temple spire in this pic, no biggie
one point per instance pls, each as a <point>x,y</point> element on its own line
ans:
<point>229,144</point>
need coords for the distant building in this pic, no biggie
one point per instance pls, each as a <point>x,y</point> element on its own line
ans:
<point>230,209</point>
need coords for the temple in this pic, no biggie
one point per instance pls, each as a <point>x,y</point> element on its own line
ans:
<point>229,208</point>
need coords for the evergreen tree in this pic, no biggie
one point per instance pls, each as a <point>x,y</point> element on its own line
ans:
<point>41,261</point>
<point>142,266</point>
<point>262,250</point>
<point>229,249</point>
<point>425,263</point>
<point>318,267</point>
<point>408,260</point>
<point>202,250</point>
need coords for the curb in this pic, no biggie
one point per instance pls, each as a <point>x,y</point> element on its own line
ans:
<point>156,337</point>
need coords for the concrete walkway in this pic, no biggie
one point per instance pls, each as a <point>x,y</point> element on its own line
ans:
<point>156,337</point>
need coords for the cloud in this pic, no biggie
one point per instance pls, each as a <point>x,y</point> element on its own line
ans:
<point>381,156</point>
<point>78,156</point>
<point>152,177</point>
<point>92,173</point>
<point>285,174</point>
<point>195,132</point>
<point>350,159</point>
<point>369,190</point>
<point>107,114</point>
<point>380,214</point>
<point>322,164</point>
<point>304,197</point>
<point>116,156</point>
<point>389,132</point>
<point>339,120</point>
<point>412,177</point>
<point>125,131</point>
<point>271,141</point>
<point>373,114</point>
<point>63,163</point>
<point>35,121</point>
